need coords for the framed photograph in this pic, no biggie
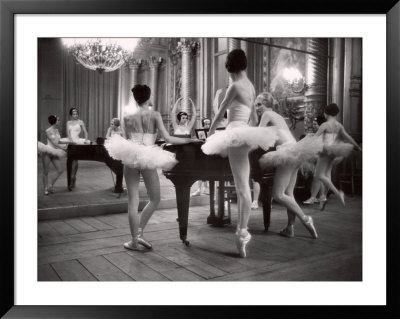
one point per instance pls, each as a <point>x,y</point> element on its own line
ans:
<point>201,134</point>
<point>24,23</point>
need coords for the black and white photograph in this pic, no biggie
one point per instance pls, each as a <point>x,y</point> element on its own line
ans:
<point>200,159</point>
<point>159,158</point>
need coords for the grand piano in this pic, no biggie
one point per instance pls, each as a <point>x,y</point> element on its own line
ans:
<point>195,165</point>
<point>95,152</point>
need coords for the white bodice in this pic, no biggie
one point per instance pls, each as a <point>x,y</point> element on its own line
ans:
<point>182,130</point>
<point>143,138</point>
<point>74,130</point>
<point>239,112</point>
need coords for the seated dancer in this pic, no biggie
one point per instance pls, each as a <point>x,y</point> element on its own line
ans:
<point>238,138</point>
<point>115,128</point>
<point>180,121</point>
<point>140,155</point>
<point>51,153</point>
<point>334,147</point>
<point>287,159</point>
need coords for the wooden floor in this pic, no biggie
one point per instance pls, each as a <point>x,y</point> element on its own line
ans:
<point>90,248</point>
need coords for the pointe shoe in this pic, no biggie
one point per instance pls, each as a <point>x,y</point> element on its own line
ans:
<point>287,232</point>
<point>142,241</point>
<point>196,193</point>
<point>321,199</point>
<point>309,224</point>
<point>341,197</point>
<point>311,200</point>
<point>241,243</point>
<point>254,204</point>
<point>322,204</point>
<point>46,191</point>
<point>131,245</point>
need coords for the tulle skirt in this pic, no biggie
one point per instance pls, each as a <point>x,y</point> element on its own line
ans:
<point>238,134</point>
<point>338,149</point>
<point>293,153</point>
<point>139,156</point>
<point>46,149</point>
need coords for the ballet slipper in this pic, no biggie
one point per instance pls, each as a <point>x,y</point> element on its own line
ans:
<point>322,204</point>
<point>309,224</point>
<point>131,245</point>
<point>311,200</point>
<point>142,241</point>
<point>287,232</point>
<point>241,242</point>
<point>254,204</point>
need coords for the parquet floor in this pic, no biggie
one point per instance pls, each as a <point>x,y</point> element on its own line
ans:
<point>90,248</point>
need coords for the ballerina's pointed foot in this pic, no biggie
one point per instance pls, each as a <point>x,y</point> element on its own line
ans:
<point>309,224</point>
<point>341,197</point>
<point>322,204</point>
<point>131,245</point>
<point>46,191</point>
<point>287,232</point>
<point>310,201</point>
<point>144,242</point>
<point>241,243</point>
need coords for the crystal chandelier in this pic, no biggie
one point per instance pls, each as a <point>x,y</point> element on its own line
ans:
<point>101,54</point>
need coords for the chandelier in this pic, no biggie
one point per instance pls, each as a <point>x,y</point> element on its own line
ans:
<point>101,54</point>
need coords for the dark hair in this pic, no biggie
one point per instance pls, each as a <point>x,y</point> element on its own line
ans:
<point>141,93</point>
<point>203,119</point>
<point>52,119</point>
<point>236,61</point>
<point>331,109</point>
<point>116,122</point>
<point>73,109</point>
<point>320,119</point>
<point>180,114</point>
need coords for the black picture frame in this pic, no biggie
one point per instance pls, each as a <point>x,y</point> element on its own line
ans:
<point>8,10</point>
<point>201,133</point>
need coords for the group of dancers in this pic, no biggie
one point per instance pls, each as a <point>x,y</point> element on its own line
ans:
<point>135,147</point>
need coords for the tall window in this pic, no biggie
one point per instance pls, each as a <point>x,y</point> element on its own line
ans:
<point>220,50</point>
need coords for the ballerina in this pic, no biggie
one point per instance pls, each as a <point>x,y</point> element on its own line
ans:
<point>51,153</point>
<point>238,138</point>
<point>140,155</point>
<point>180,121</point>
<point>74,128</point>
<point>334,137</point>
<point>115,128</point>
<point>287,159</point>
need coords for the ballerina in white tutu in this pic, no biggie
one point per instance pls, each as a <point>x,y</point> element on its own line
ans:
<point>287,159</point>
<point>238,138</point>
<point>334,137</point>
<point>115,128</point>
<point>51,153</point>
<point>140,155</point>
<point>180,122</point>
<point>74,128</point>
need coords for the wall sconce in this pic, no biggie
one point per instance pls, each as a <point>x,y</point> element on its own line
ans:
<point>295,80</point>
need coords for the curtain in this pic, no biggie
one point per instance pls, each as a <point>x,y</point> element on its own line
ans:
<point>94,94</point>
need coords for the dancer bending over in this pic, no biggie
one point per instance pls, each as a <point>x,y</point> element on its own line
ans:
<point>238,138</point>
<point>334,138</point>
<point>287,159</point>
<point>140,155</point>
<point>51,153</point>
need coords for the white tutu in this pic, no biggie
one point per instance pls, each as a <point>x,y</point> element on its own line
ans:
<point>237,135</point>
<point>46,149</point>
<point>138,155</point>
<point>304,150</point>
<point>338,149</point>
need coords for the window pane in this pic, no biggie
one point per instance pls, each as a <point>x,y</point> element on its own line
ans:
<point>221,73</point>
<point>222,44</point>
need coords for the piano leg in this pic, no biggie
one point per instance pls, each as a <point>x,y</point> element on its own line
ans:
<point>69,170</point>
<point>211,217</point>
<point>182,190</point>
<point>266,190</point>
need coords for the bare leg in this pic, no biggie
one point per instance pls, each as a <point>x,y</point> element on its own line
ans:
<point>256,194</point>
<point>132,178</point>
<point>323,171</point>
<point>289,192</point>
<point>59,170</point>
<point>282,180</point>
<point>46,163</point>
<point>240,166</point>
<point>152,183</point>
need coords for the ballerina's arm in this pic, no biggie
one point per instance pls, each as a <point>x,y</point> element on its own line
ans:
<point>231,93</point>
<point>193,119</point>
<point>173,117</point>
<point>265,119</point>
<point>108,135</point>
<point>165,134</point>
<point>348,138</point>
<point>84,130</point>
